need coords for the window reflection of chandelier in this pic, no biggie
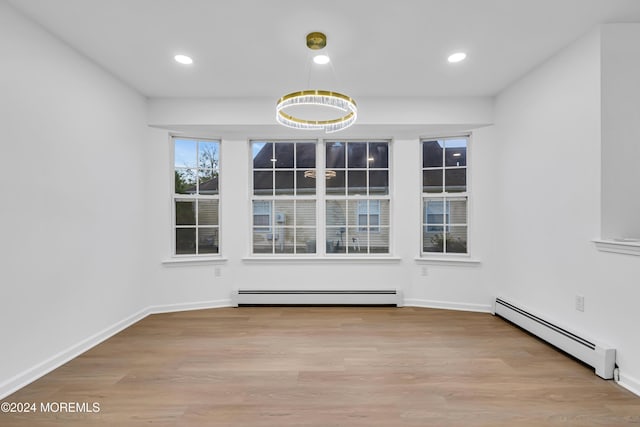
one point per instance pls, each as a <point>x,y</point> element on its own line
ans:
<point>312,174</point>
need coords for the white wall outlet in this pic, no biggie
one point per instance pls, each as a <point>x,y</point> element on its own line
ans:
<point>579,302</point>
<point>217,271</point>
<point>424,271</point>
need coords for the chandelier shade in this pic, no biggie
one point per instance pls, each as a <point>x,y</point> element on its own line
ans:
<point>322,98</point>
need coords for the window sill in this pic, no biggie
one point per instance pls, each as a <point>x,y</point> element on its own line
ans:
<point>628,247</point>
<point>178,261</point>
<point>324,259</point>
<point>458,260</point>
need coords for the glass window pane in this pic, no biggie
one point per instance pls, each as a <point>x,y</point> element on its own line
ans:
<point>207,240</point>
<point>432,154</point>
<point>185,181</point>
<point>185,241</point>
<point>336,238</point>
<point>432,181</point>
<point>383,211</point>
<point>455,180</point>
<point>262,155</point>
<point>357,154</point>
<point>357,210</point>
<point>284,183</point>
<point>185,212</point>
<point>335,155</point>
<point>263,182</point>
<point>456,240</point>
<point>207,181</point>
<point>262,245</point>
<point>284,155</point>
<point>335,183</point>
<point>378,182</point>
<point>358,240</point>
<point>434,212</point>
<point>378,155</point>
<point>208,155</point>
<point>283,240</point>
<point>306,155</point>
<point>379,240</point>
<point>185,153</point>
<point>456,152</point>
<point>306,213</point>
<point>432,239</point>
<point>306,182</point>
<point>306,240</point>
<point>283,212</point>
<point>336,212</point>
<point>457,211</point>
<point>208,212</point>
<point>262,216</point>
<point>357,181</point>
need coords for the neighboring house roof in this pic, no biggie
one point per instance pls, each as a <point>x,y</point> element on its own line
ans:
<point>206,187</point>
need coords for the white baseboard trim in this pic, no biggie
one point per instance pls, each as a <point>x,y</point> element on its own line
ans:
<point>448,305</point>
<point>30,375</point>
<point>188,306</point>
<point>630,383</point>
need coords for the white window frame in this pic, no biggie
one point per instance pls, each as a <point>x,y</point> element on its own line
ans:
<point>352,247</point>
<point>273,230</point>
<point>445,197</point>
<point>196,198</point>
<point>320,197</point>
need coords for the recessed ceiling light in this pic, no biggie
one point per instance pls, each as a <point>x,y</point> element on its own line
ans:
<point>457,57</point>
<point>183,59</point>
<point>321,59</point>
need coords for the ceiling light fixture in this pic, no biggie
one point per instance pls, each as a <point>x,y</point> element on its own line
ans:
<point>457,57</point>
<point>183,59</point>
<point>319,98</point>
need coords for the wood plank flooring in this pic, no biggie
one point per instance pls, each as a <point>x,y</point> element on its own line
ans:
<point>326,366</point>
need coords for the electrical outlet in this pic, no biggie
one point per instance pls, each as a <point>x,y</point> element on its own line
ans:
<point>425,270</point>
<point>579,303</point>
<point>217,272</point>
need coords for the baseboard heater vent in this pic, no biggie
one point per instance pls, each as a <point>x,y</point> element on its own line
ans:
<point>600,357</point>
<point>317,297</point>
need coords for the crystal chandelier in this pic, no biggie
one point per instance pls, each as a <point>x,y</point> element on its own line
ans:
<point>322,98</point>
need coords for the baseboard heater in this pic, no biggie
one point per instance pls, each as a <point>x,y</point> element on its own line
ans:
<point>317,297</point>
<point>600,357</point>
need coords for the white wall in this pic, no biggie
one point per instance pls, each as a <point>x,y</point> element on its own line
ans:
<point>454,286</point>
<point>620,130</point>
<point>73,212</point>
<point>549,128</point>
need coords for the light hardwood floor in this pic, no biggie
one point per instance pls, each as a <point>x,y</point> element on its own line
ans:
<point>327,366</point>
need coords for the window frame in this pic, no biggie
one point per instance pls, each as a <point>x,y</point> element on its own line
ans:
<point>351,244</point>
<point>274,199</point>
<point>321,197</point>
<point>196,198</point>
<point>445,197</point>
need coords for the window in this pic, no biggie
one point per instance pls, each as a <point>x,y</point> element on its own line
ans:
<point>444,195</point>
<point>262,216</point>
<point>357,197</point>
<point>196,201</point>
<point>284,197</point>
<point>369,215</point>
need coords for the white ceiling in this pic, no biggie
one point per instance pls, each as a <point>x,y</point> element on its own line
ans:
<point>256,48</point>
